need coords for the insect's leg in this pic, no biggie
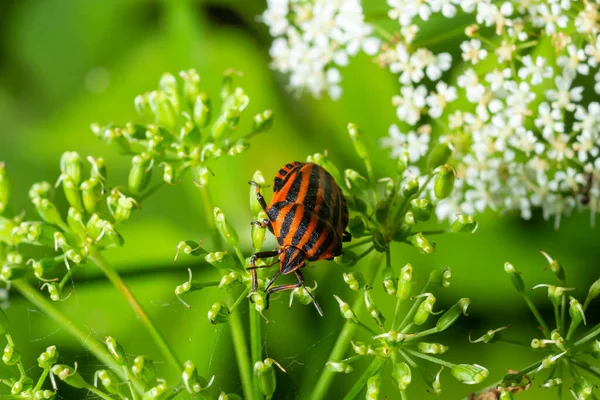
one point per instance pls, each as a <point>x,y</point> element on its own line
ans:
<point>301,281</point>
<point>290,286</point>
<point>259,196</point>
<point>272,280</point>
<point>253,267</point>
<point>346,237</point>
<point>264,223</point>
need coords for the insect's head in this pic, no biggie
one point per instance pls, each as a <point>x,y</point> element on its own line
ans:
<point>291,258</point>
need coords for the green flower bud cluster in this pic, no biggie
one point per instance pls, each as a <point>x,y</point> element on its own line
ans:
<point>564,345</point>
<point>403,340</point>
<point>22,385</point>
<point>183,130</point>
<point>399,204</point>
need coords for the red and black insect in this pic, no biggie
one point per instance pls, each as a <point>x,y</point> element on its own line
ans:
<point>308,216</point>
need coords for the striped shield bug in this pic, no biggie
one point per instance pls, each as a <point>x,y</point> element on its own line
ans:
<point>308,216</point>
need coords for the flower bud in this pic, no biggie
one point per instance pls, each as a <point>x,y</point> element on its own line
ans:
<point>405,282</point>
<point>157,392</point>
<point>440,277</point>
<point>548,383</point>
<point>402,375</point>
<point>91,193</point>
<point>144,369</point>
<point>464,223</point>
<point>40,189</point>
<point>12,272</point>
<point>347,258</point>
<point>469,374</point>
<point>421,209</point>
<point>432,380</point>
<point>228,279</point>
<point>47,211</point>
<point>450,316</point>
<point>259,179</point>
<point>258,232</point>
<point>69,375</point>
<point>115,350</point>
<point>202,110</point>
<point>359,145</point>
<point>75,222</point>
<point>337,366</point>
<point>44,395</point>
<point>259,301</point>
<point>98,170</point>
<point>72,193</point>
<point>109,380</point>
<point>189,376</point>
<point>373,384</point>
<point>554,266</point>
<point>361,348</point>
<point>221,259</point>
<point>425,309</point>
<point>410,187</point>
<point>163,109</point>
<point>439,155</point>
<point>592,293</point>
<point>225,124</point>
<point>355,280</point>
<point>11,356</point>
<point>444,181</point>
<point>142,106</point>
<point>582,389</point>
<point>190,248</point>
<point>71,166</point>
<point>4,188</point>
<point>124,207</point>
<point>372,309</point>
<point>488,336</point>
<point>262,121</point>
<point>355,182</point>
<point>389,280</point>
<point>549,361</point>
<point>515,277</point>
<point>420,242</point>
<point>22,386</point>
<point>345,310</point>
<point>140,173</point>
<point>211,151</point>
<point>265,372</point>
<point>218,313</point>
<point>576,313</point>
<point>432,348</point>
<point>224,228</point>
<point>238,147</point>
<point>48,358</point>
<point>191,79</point>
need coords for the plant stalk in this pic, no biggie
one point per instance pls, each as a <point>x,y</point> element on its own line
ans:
<point>84,337</point>
<point>116,280</point>
<point>343,340</point>
<point>371,370</point>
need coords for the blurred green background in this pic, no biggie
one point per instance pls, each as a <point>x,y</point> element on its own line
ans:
<point>65,64</point>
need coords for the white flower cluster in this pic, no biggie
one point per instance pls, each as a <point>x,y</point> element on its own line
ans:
<point>314,38</point>
<point>521,112</point>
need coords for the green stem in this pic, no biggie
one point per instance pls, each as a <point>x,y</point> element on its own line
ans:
<point>437,232</point>
<point>208,211</point>
<point>98,392</point>
<point>255,345</point>
<point>130,382</point>
<point>116,280</point>
<point>431,359</point>
<point>595,331</point>
<point>536,314</point>
<point>84,337</point>
<point>557,317</point>
<point>367,328</point>
<point>343,340</point>
<point>241,353</point>
<point>360,242</point>
<point>421,334</point>
<point>563,312</point>
<point>40,381</point>
<point>371,370</point>
<point>592,369</point>
<point>19,363</point>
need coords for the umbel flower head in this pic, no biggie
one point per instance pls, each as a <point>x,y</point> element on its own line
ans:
<point>567,346</point>
<point>518,105</point>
